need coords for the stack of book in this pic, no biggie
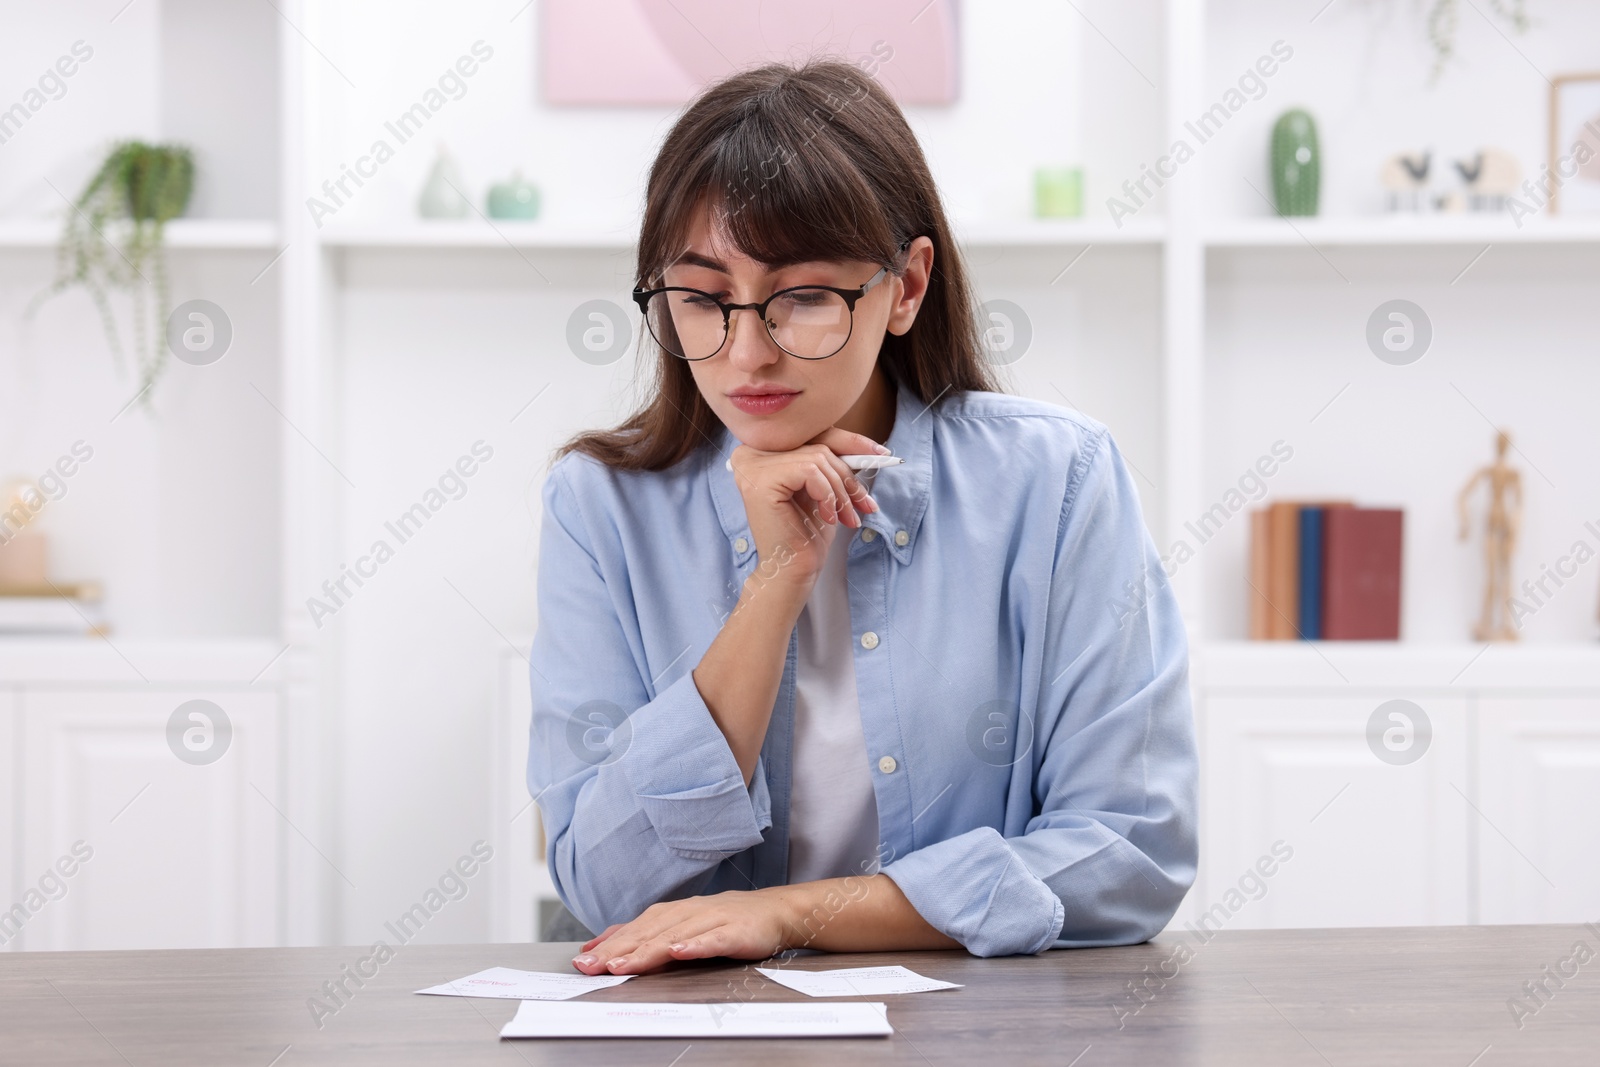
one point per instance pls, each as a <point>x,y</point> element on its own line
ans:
<point>1325,570</point>
<point>59,608</point>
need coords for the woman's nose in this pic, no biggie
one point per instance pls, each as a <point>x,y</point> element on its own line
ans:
<point>749,344</point>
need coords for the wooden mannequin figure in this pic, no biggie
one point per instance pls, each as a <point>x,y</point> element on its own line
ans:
<point>1501,525</point>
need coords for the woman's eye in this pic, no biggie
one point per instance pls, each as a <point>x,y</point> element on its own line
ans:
<point>807,297</point>
<point>698,300</point>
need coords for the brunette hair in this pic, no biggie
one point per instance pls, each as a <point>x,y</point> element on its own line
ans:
<point>796,164</point>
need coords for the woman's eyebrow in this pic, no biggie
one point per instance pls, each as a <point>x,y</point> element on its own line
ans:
<point>695,259</point>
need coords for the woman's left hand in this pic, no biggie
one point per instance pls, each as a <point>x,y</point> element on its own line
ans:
<point>750,925</point>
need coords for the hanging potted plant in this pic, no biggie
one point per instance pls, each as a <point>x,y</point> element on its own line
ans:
<point>113,240</point>
<point>1444,18</point>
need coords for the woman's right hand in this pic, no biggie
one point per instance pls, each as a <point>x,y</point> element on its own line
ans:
<point>794,499</point>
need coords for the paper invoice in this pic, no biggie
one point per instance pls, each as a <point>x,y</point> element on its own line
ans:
<point>509,984</point>
<point>727,1019</point>
<point>855,981</point>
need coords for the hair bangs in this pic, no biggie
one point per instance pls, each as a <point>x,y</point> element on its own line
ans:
<point>778,195</point>
<point>781,199</point>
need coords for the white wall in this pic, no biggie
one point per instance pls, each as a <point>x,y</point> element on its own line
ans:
<point>179,70</point>
<point>115,94</point>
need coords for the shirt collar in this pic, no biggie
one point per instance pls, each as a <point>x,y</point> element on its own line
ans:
<point>901,491</point>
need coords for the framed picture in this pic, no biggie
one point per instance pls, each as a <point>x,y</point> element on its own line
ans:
<point>1575,144</point>
<point>630,53</point>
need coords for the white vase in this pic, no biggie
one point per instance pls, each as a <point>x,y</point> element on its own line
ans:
<point>444,196</point>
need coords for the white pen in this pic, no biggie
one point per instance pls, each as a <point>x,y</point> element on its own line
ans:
<point>867,463</point>
<point>855,463</point>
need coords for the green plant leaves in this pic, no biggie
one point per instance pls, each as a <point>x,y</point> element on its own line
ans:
<point>113,241</point>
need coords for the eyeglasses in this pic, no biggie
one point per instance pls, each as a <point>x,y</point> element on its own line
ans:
<point>806,321</point>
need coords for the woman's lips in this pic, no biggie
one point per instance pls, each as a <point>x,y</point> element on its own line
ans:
<point>761,403</point>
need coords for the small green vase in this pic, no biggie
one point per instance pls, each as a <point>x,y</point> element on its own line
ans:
<point>515,199</point>
<point>1296,163</point>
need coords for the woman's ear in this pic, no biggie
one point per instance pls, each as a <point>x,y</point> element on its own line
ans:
<point>913,286</point>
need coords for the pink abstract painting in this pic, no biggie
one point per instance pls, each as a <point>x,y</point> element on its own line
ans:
<point>633,52</point>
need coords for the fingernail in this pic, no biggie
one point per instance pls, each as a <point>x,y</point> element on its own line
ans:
<point>618,962</point>
<point>584,960</point>
<point>680,946</point>
<point>883,450</point>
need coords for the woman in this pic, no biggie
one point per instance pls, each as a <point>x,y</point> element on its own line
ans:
<point>778,704</point>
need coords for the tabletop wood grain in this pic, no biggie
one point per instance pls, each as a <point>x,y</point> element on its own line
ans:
<point>1436,995</point>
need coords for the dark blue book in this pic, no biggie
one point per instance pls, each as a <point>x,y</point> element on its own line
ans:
<point>1310,584</point>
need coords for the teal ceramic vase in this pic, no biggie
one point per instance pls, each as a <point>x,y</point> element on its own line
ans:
<point>515,199</point>
<point>1296,163</point>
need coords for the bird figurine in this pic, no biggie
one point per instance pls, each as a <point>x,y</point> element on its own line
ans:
<point>1406,179</point>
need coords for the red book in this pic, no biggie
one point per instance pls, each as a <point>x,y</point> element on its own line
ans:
<point>1361,575</point>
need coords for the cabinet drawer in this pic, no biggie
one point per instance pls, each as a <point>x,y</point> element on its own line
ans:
<point>185,853</point>
<point>1374,843</point>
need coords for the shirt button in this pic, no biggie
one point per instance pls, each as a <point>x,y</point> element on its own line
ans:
<point>740,545</point>
<point>887,764</point>
<point>869,640</point>
<point>869,534</point>
<point>901,537</point>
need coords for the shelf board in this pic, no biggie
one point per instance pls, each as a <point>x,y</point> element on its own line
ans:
<point>1398,231</point>
<point>477,234</point>
<point>471,234</point>
<point>1061,233</point>
<point>1444,665</point>
<point>48,660</point>
<point>222,234</point>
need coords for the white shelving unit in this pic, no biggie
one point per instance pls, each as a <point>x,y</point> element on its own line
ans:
<point>180,234</point>
<point>384,346</point>
<point>1399,232</point>
<point>1278,352</point>
<point>472,234</point>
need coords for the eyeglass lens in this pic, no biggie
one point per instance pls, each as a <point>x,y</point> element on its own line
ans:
<point>809,323</point>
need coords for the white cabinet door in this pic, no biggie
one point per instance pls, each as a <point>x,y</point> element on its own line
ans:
<point>1539,795</point>
<point>164,852</point>
<point>10,876</point>
<point>1374,843</point>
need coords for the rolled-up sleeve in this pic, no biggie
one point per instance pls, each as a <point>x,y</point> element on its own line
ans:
<point>640,794</point>
<point>1112,845</point>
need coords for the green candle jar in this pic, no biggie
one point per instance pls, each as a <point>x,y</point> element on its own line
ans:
<point>1058,192</point>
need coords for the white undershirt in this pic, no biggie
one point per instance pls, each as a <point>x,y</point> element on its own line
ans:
<point>833,812</point>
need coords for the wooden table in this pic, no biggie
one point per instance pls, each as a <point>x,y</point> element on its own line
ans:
<point>1392,996</point>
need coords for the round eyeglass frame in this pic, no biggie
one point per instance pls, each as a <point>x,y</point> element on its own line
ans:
<point>642,297</point>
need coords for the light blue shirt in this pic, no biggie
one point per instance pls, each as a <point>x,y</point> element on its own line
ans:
<point>1021,666</point>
